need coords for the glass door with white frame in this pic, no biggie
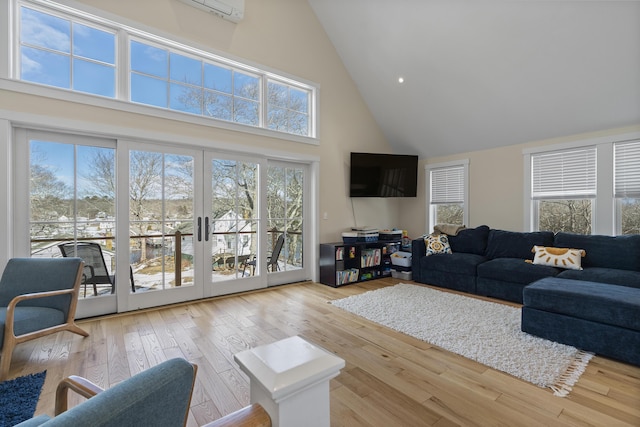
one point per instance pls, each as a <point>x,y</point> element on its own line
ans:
<point>286,206</point>
<point>164,198</point>
<point>232,224</point>
<point>158,224</point>
<point>70,209</point>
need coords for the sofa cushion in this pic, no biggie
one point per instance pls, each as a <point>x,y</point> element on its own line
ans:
<point>621,252</point>
<point>470,240</point>
<point>512,244</point>
<point>603,303</point>
<point>604,275</point>
<point>514,270</point>
<point>457,262</point>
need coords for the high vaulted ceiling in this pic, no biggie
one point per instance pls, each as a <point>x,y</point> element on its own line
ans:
<point>480,74</point>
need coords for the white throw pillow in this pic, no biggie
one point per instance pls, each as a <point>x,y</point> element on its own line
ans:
<point>558,257</point>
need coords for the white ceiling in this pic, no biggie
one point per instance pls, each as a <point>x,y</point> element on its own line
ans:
<point>482,74</point>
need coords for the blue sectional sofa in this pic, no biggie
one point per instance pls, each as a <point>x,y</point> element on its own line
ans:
<point>595,308</point>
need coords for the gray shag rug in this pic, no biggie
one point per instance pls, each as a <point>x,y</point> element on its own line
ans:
<point>483,331</point>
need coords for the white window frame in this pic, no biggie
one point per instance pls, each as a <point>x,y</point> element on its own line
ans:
<point>464,163</point>
<point>562,175</point>
<point>603,220</point>
<point>10,79</point>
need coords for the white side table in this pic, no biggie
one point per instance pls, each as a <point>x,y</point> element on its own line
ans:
<point>290,379</point>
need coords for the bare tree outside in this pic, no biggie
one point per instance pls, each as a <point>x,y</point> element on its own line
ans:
<point>449,214</point>
<point>285,203</point>
<point>630,215</point>
<point>571,216</point>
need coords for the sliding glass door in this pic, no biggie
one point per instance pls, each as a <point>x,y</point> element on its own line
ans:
<point>164,198</point>
<point>158,224</point>
<point>286,206</point>
<point>233,221</point>
<point>66,206</point>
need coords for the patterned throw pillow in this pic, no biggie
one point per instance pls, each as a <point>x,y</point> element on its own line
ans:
<point>437,244</point>
<point>558,257</point>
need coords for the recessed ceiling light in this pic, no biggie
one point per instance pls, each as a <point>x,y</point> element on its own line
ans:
<point>400,79</point>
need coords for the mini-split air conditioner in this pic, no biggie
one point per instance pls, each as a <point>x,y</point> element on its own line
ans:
<point>232,10</point>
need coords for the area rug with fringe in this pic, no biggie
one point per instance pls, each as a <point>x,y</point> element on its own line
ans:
<point>483,331</point>
<point>19,398</point>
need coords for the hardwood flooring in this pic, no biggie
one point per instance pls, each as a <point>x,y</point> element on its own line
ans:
<point>390,379</point>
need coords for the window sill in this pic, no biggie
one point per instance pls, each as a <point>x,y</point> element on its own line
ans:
<point>119,105</point>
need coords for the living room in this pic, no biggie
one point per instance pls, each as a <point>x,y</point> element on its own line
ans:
<point>286,37</point>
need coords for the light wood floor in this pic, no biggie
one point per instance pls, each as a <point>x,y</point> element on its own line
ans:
<point>389,380</point>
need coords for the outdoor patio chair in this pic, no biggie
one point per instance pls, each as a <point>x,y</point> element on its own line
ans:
<point>95,265</point>
<point>272,260</point>
<point>38,297</point>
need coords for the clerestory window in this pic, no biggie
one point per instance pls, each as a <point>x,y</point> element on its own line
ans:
<point>66,53</point>
<point>69,49</point>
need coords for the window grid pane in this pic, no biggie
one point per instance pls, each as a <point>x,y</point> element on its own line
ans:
<point>564,174</point>
<point>64,53</point>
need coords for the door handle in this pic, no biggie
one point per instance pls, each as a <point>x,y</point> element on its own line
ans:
<point>199,229</point>
<point>206,228</point>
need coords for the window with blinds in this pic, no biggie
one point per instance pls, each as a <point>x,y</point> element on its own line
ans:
<point>447,194</point>
<point>626,183</point>
<point>564,174</point>
<point>627,169</point>
<point>563,188</point>
<point>447,185</point>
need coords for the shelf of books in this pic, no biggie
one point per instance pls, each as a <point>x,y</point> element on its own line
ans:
<point>370,257</point>
<point>347,276</point>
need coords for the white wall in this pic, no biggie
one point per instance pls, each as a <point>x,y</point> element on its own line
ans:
<point>496,182</point>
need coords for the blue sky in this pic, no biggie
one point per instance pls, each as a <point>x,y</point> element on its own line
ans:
<point>58,158</point>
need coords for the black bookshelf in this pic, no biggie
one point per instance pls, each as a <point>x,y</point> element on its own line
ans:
<point>345,263</point>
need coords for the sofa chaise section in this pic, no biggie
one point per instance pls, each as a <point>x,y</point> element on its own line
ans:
<point>596,317</point>
<point>608,259</point>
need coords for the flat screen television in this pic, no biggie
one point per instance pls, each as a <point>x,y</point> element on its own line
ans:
<point>383,175</point>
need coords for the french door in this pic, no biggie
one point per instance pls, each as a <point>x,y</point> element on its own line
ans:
<point>167,223</point>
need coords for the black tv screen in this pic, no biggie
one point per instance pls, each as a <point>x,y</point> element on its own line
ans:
<point>383,175</point>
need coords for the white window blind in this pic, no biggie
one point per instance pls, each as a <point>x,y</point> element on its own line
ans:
<point>564,174</point>
<point>447,185</point>
<point>627,169</point>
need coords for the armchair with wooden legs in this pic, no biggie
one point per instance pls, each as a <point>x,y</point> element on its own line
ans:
<point>159,397</point>
<point>38,297</point>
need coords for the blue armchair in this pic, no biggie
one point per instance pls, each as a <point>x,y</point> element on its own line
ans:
<point>38,297</point>
<point>159,397</point>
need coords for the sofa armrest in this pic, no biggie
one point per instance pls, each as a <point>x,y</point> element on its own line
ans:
<point>418,250</point>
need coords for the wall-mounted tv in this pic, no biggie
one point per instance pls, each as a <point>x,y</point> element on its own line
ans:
<point>383,175</point>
